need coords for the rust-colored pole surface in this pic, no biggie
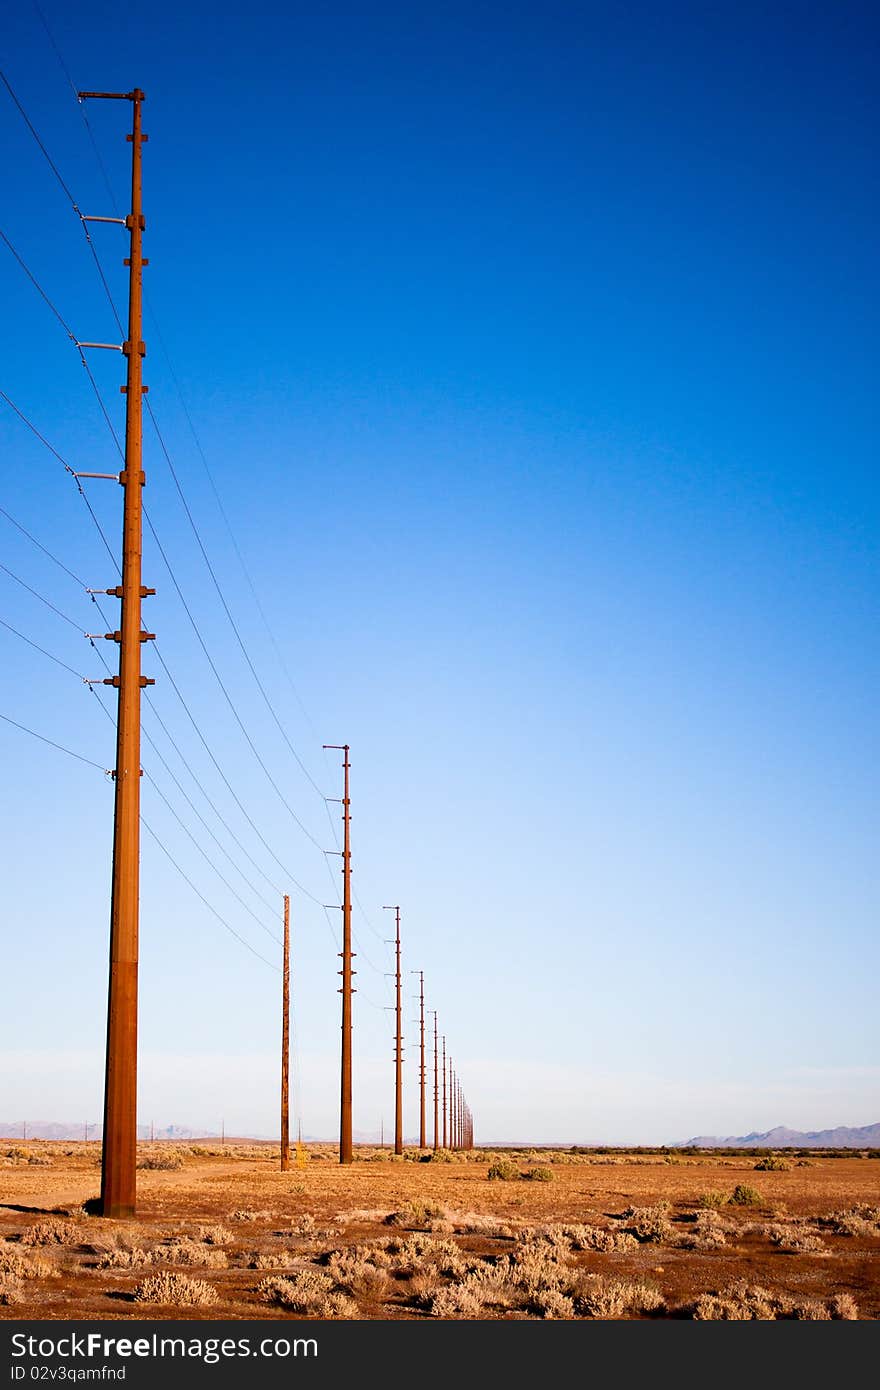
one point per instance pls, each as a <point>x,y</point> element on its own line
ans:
<point>436,1089</point>
<point>346,1152</point>
<point>422,1142</point>
<point>119,1148</point>
<point>285,1043</point>
<point>444,1090</point>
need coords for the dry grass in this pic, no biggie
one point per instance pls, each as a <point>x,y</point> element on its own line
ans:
<point>612,1298</point>
<point>791,1240</point>
<point>23,1266</point>
<point>190,1252</point>
<point>11,1290</point>
<point>308,1292</point>
<point>744,1302</point>
<point>175,1290</point>
<point>648,1223</point>
<point>214,1235</point>
<point>52,1232</point>
<point>167,1162</point>
<point>856,1221</point>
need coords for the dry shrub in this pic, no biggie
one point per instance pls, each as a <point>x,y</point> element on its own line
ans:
<point>745,1196</point>
<point>356,1271</point>
<point>176,1290</point>
<point>772,1164</point>
<point>856,1221</point>
<point>538,1174</point>
<point>744,1302</point>
<point>303,1225</point>
<point>416,1215</point>
<point>161,1162</point>
<point>791,1241</point>
<point>488,1286</point>
<point>247,1214</point>
<point>597,1238</point>
<point>707,1232</point>
<point>125,1257</point>
<point>536,1264</point>
<point>502,1170</point>
<point>410,1256</point>
<point>52,1232</point>
<point>309,1292</point>
<point>601,1297</point>
<point>191,1252</point>
<point>11,1290</point>
<point>214,1235</point>
<point>648,1223</point>
<point>19,1266</point>
<point>844,1307</point>
<point>275,1260</point>
<point>550,1303</point>
<point>713,1199</point>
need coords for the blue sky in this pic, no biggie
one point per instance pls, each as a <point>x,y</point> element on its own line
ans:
<point>533,354</point>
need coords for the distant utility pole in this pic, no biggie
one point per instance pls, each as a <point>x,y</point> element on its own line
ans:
<point>382,1132</point>
<point>118,1161</point>
<point>285,1042</point>
<point>436,1089</point>
<point>422,1140</point>
<point>398,1050</point>
<point>346,1153</point>
<point>444,1090</point>
<point>222,1131</point>
<point>152,1131</point>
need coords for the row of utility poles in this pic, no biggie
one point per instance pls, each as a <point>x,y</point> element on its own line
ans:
<point>119,1138</point>
<point>458,1129</point>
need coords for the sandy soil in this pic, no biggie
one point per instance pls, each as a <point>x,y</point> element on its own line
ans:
<point>392,1222</point>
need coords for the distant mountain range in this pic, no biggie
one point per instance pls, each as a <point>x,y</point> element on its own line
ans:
<point>868,1137</point>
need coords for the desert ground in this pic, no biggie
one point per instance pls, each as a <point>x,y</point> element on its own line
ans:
<point>221,1232</point>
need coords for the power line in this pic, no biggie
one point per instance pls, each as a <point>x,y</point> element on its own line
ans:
<point>20,581</point>
<point>208,905</point>
<point>208,859</point>
<point>71,335</point>
<point>52,744</point>
<point>164,448</point>
<point>42,650</point>
<point>226,694</point>
<point>228,613</point>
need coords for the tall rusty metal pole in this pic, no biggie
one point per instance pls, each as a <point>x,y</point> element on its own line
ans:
<point>398,1050</point>
<point>285,1042</point>
<point>119,1145</point>
<point>444,1090</point>
<point>436,1089</point>
<point>346,1153</point>
<point>422,1141</point>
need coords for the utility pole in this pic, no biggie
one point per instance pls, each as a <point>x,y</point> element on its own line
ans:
<point>422,1140</point>
<point>285,1042</point>
<point>346,1153</point>
<point>444,1090</point>
<point>398,1051</point>
<point>452,1086</point>
<point>436,1089</point>
<point>119,1151</point>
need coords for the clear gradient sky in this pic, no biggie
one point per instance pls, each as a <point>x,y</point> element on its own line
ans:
<point>533,352</point>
